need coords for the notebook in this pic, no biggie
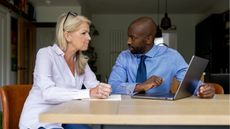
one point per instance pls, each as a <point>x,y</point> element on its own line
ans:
<point>192,76</point>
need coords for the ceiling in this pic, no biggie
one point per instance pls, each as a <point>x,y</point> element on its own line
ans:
<point>136,6</point>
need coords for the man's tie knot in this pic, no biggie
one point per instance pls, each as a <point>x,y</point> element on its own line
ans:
<point>143,57</point>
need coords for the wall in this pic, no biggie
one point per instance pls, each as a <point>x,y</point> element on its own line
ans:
<point>85,11</point>
<point>185,24</point>
<point>45,36</point>
<point>51,14</point>
<point>220,7</point>
<point>4,46</point>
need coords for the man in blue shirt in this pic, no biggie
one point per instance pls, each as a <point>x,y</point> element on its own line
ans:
<point>162,64</point>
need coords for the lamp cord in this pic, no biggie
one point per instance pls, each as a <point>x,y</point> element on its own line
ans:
<point>158,6</point>
<point>166,6</point>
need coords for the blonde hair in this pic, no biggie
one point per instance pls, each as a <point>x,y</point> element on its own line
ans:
<point>71,24</point>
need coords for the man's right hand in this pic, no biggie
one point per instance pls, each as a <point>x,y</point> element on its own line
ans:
<point>152,82</point>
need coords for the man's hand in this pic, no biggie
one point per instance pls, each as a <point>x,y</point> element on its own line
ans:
<point>206,90</point>
<point>153,81</point>
<point>101,91</point>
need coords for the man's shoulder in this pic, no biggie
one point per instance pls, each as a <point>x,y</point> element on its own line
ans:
<point>125,53</point>
<point>168,53</point>
<point>172,52</point>
<point>174,55</point>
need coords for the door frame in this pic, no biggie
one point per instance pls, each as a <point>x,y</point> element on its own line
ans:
<point>5,46</point>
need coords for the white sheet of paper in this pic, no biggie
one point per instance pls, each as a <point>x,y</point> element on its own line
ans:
<point>114,97</point>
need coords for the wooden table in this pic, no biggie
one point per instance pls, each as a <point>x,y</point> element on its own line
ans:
<point>128,111</point>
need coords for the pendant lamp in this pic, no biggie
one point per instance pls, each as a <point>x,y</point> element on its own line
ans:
<point>159,32</point>
<point>166,22</point>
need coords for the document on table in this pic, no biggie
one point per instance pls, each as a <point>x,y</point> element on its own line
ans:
<point>113,97</point>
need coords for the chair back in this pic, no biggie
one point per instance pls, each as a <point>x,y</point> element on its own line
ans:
<point>12,99</point>
<point>175,83</point>
<point>218,88</point>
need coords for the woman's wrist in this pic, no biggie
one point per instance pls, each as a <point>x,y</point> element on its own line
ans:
<point>90,92</point>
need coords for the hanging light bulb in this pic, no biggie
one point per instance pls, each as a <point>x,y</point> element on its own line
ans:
<point>166,22</point>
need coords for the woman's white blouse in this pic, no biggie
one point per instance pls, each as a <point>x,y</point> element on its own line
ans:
<point>53,84</point>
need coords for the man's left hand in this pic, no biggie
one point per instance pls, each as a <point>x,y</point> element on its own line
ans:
<point>206,90</point>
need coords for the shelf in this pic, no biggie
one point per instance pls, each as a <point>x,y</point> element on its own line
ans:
<point>16,9</point>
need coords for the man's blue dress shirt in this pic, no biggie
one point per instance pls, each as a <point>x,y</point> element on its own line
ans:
<point>161,61</point>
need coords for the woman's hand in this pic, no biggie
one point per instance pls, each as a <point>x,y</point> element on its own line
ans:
<point>101,91</point>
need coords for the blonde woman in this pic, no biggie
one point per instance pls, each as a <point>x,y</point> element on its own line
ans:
<point>60,71</point>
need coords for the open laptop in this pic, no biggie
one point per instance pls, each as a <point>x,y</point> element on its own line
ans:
<point>192,76</point>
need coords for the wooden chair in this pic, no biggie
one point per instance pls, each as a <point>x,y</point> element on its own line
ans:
<point>174,85</point>
<point>12,99</point>
<point>218,88</point>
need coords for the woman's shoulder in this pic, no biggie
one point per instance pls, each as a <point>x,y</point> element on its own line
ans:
<point>49,49</point>
<point>45,52</point>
